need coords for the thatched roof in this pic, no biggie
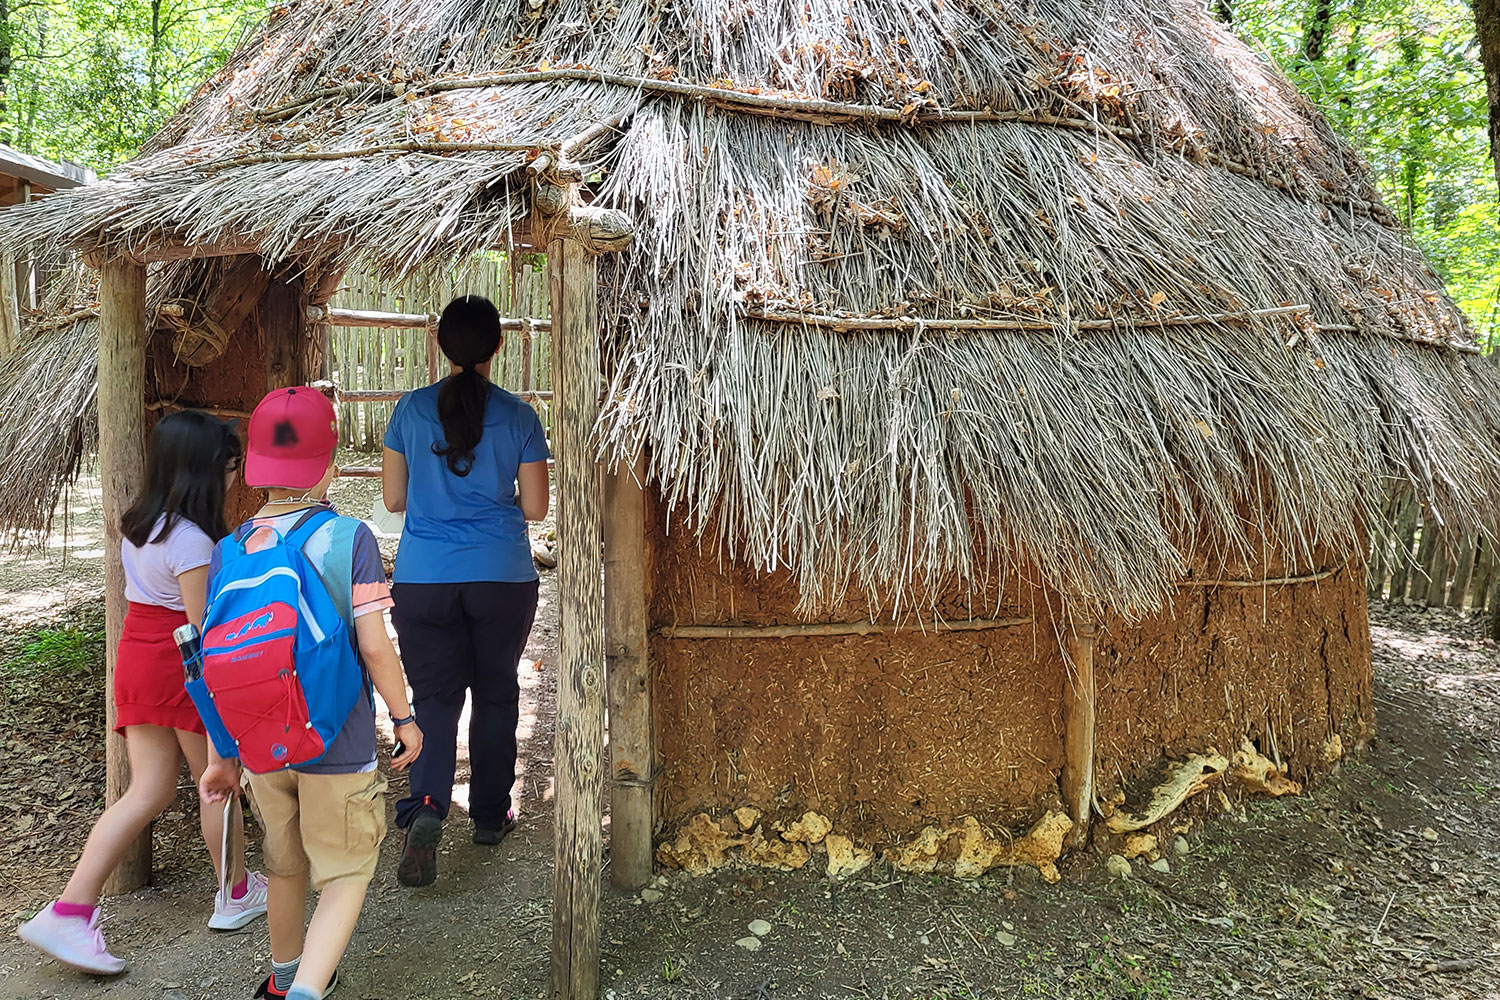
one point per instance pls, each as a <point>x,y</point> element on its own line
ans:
<point>919,288</point>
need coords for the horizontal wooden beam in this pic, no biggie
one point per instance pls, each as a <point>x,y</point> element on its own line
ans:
<point>370,317</point>
<point>831,628</point>
<point>373,471</point>
<point>412,321</point>
<point>857,323</point>
<point>391,395</point>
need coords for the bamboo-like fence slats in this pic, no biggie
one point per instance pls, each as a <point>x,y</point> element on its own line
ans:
<point>1418,561</point>
<point>378,337</point>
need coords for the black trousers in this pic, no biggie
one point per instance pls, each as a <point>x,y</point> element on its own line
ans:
<point>458,638</point>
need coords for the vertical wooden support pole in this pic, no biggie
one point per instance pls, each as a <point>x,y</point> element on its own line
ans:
<point>122,460</point>
<point>527,376</point>
<point>1078,730</point>
<point>10,306</point>
<point>631,748</point>
<point>579,835</point>
<point>437,367</point>
<point>28,290</point>
<point>283,334</point>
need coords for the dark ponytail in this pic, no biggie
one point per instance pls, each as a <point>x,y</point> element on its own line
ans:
<point>469,334</point>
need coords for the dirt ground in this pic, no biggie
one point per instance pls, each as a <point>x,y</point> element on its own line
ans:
<point>1384,881</point>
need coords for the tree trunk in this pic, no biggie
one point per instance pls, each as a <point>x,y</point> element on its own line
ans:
<point>6,54</point>
<point>122,460</point>
<point>1315,41</point>
<point>1487,23</point>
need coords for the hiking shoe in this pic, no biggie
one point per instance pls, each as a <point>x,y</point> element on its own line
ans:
<point>488,837</point>
<point>268,988</point>
<point>418,864</point>
<point>231,914</point>
<point>71,940</point>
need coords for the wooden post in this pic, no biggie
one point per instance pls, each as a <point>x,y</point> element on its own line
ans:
<point>437,368</point>
<point>631,746</point>
<point>122,460</point>
<point>578,792</point>
<point>526,365</point>
<point>283,325</point>
<point>1406,532</point>
<point>10,306</point>
<point>1461,575</point>
<point>580,676</point>
<point>28,287</point>
<point>1437,570</point>
<point>1078,730</point>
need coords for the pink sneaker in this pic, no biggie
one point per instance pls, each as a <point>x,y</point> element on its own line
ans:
<point>232,914</point>
<point>71,940</point>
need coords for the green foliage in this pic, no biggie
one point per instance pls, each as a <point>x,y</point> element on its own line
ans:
<point>1402,80</point>
<point>91,80</point>
<point>58,651</point>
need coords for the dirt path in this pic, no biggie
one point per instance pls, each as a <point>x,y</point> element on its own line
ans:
<point>1383,882</point>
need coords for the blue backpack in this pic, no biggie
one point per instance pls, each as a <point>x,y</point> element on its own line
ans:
<point>280,673</point>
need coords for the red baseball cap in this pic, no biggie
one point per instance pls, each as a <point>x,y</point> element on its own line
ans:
<point>293,433</point>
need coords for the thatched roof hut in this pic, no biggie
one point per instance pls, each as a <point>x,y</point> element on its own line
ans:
<point>965,313</point>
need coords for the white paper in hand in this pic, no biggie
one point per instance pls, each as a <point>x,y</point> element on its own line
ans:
<point>384,522</point>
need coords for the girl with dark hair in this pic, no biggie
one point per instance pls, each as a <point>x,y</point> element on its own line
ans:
<point>467,462</point>
<point>169,534</point>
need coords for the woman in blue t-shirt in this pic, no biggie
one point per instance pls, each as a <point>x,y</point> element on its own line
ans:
<point>467,462</point>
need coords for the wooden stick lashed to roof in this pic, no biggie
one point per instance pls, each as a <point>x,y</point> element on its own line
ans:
<point>846,323</point>
<point>294,155</point>
<point>806,629</point>
<point>799,108</point>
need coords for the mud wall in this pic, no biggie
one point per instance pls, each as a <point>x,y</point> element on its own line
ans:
<point>883,734</point>
<point>1288,666</point>
<point>886,734</point>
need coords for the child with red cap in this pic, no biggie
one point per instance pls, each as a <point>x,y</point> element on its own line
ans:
<point>324,821</point>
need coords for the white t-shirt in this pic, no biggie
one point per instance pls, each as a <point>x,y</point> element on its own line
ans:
<point>151,570</point>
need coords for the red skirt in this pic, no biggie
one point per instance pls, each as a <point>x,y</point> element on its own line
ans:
<point>148,672</point>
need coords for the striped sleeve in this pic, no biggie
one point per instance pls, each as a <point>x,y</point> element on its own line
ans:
<point>370,592</point>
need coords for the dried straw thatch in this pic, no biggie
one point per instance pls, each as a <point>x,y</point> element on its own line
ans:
<point>920,289</point>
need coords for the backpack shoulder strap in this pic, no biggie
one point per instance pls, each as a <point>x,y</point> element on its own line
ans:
<point>307,524</point>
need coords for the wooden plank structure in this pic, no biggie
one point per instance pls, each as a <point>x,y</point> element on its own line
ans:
<point>23,178</point>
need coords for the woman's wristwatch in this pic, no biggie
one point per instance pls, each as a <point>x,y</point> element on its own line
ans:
<point>408,720</point>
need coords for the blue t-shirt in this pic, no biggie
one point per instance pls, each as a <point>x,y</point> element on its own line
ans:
<point>465,529</point>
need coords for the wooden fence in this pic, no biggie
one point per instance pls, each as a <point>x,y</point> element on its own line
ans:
<point>390,353</point>
<point>1423,563</point>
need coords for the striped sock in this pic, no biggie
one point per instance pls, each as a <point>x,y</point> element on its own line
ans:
<point>300,992</point>
<point>282,973</point>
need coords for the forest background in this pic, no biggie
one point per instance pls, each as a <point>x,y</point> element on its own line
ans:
<point>1404,80</point>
